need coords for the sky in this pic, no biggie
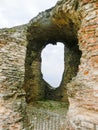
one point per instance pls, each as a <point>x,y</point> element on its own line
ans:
<point>53,62</point>
<point>17,12</point>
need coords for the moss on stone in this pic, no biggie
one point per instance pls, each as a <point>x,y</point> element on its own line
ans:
<point>52,106</point>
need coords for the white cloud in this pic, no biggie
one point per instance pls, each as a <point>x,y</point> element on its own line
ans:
<point>15,12</point>
<point>53,63</point>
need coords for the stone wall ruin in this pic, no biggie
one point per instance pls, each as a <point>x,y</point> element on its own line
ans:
<point>46,28</point>
<point>72,22</point>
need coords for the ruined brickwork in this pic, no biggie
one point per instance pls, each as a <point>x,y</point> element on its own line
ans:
<point>12,96</point>
<point>51,26</point>
<point>73,22</point>
<point>83,89</point>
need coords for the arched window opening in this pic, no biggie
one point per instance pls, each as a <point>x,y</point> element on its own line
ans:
<point>52,66</point>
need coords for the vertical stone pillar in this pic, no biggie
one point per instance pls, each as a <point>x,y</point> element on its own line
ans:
<point>33,80</point>
<point>12,96</point>
<point>72,60</point>
<point>83,90</point>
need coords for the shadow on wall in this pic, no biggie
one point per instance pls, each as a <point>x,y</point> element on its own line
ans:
<point>42,31</point>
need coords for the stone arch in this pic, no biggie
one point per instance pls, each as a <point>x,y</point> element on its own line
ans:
<point>71,22</point>
<point>44,29</point>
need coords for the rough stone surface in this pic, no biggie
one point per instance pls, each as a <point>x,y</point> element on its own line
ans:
<point>12,96</point>
<point>83,89</point>
<point>51,26</point>
<point>73,22</point>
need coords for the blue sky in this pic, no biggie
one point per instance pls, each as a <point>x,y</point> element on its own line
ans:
<point>17,12</point>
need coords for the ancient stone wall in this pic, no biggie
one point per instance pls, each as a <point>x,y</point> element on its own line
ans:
<point>12,96</point>
<point>83,89</point>
<point>73,22</point>
<point>51,26</point>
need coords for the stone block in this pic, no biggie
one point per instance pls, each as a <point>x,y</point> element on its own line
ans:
<point>96,127</point>
<point>87,125</point>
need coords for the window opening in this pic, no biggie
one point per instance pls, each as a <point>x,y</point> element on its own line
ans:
<point>52,66</point>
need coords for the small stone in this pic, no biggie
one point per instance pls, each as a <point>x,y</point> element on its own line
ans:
<point>87,125</point>
<point>0,70</point>
<point>88,6</point>
<point>2,78</point>
<point>85,1</point>
<point>2,95</point>
<point>96,127</point>
<point>90,17</point>
<point>96,32</point>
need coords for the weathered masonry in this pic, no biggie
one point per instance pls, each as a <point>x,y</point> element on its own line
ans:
<point>72,22</point>
<point>47,28</point>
